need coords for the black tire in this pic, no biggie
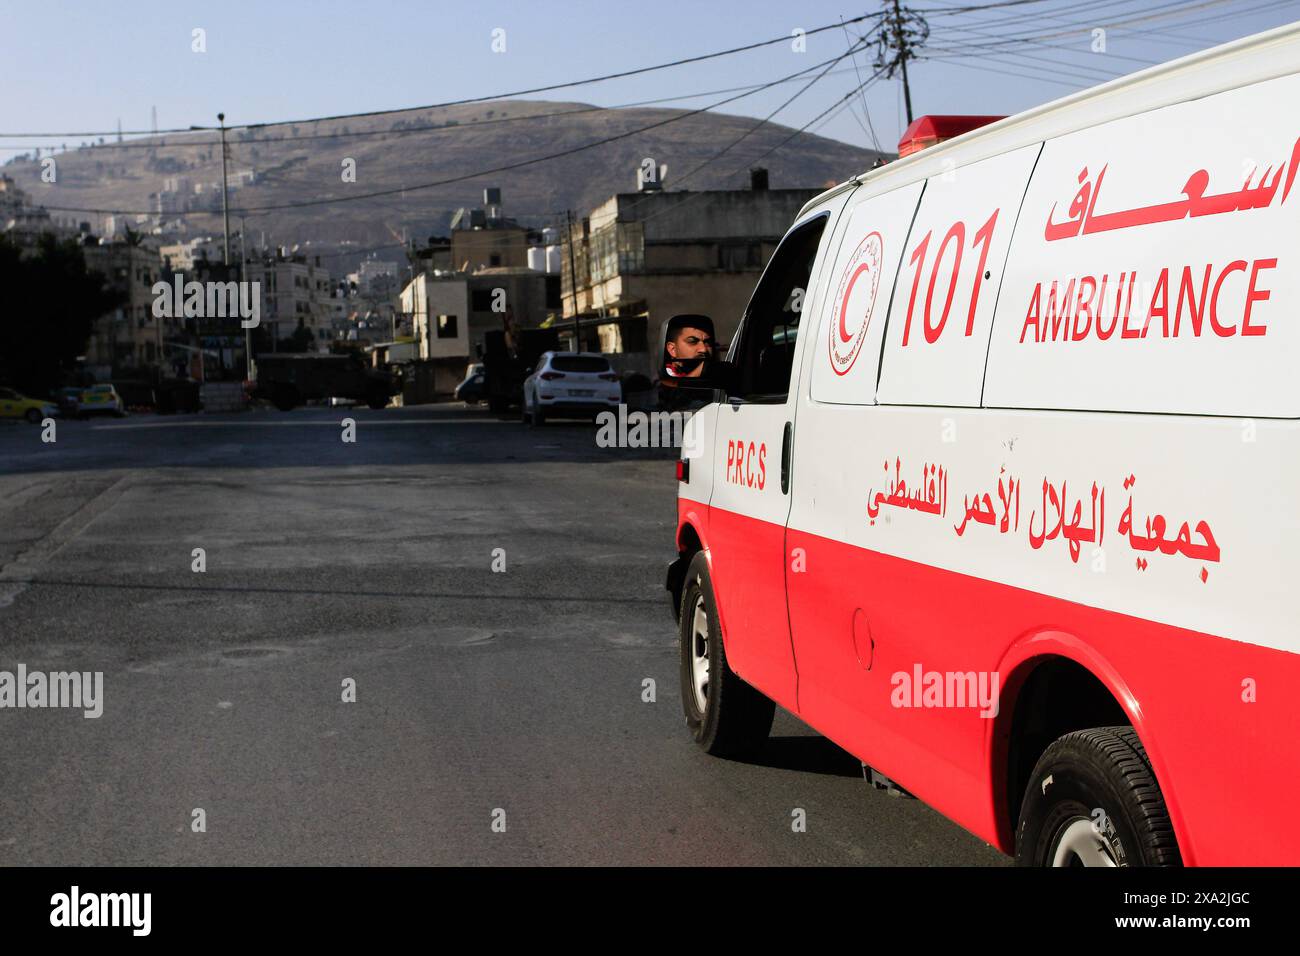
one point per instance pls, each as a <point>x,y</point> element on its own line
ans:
<point>523,412</point>
<point>537,416</point>
<point>33,415</point>
<point>736,719</point>
<point>377,401</point>
<point>1098,784</point>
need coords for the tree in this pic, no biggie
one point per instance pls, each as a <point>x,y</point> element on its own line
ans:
<point>49,302</point>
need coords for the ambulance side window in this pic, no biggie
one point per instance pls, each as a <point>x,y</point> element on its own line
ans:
<point>765,349</point>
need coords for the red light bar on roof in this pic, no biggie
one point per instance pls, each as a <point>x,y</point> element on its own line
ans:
<point>932,130</point>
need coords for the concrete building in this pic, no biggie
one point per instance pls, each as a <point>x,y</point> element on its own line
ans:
<point>435,257</point>
<point>483,238</point>
<point>516,297</point>
<point>437,307</point>
<point>497,298</point>
<point>182,256</point>
<point>24,222</point>
<point>295,289</point>
<point>130,339</point>
<point>641,258</point>
<point>371,270</point>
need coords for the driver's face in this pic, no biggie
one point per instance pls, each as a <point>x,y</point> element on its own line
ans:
<point>691,343</point>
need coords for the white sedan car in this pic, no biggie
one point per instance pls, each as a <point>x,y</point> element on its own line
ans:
<point>570,384</point>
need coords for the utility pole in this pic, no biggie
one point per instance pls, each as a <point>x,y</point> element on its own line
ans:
<point>901,33</point>
<point>902,61</point>
<point>250,370</point>
<point>225,189</point>
<point>225,218</point>
<point>573,283</point>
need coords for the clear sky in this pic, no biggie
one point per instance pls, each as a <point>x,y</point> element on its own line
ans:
<point>81,66</point>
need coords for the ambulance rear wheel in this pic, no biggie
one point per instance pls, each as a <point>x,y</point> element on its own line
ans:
<point>1093,800</point>
<point>726,716</point>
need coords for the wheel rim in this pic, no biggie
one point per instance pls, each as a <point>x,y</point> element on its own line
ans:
<point>1079,844</point>
<point>700,654</point>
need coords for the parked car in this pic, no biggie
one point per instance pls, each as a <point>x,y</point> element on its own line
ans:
<point>68,399</point>
<point>865,532</point>
<point>474,388</point>
<point>100,399</point>
<point>14,405</point>
<point>570,385</point>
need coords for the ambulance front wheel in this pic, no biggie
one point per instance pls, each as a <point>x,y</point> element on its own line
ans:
<point>1093,800</point>
<point>726,716</point>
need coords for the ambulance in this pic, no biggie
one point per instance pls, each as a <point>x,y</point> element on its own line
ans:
<point>997,485</point>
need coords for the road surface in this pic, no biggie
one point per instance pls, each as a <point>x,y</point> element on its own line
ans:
<point>498,716</point>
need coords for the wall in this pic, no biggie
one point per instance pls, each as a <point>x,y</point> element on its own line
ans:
<point>428,297</point>
<point>477,246</point>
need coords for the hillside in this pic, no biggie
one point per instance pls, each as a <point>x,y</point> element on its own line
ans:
<point>293,164</point>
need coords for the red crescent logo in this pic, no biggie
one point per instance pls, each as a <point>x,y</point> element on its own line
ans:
<point>844,305</point>
<point>845,345</point>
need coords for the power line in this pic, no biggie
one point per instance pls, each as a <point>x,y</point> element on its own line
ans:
<point>838,104</point>
<point>684,61</point>
<point>743,136</point>
<point>450,127</point>
<point>356,197</point>
<point>941,11</point>
<point>1071,84</point>
<point>765,120</point>
<point>868,127</point>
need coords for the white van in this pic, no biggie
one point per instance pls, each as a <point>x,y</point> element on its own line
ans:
<point>998,494</point>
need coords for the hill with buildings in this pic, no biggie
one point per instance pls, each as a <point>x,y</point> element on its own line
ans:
<point>428,163</point>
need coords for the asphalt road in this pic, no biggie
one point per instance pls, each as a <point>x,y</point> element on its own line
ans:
<point>481,697</point>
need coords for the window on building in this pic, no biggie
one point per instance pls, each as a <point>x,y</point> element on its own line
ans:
<point>494,260</point>
<point>446,327</point>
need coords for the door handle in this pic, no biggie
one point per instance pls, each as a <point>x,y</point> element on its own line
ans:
<point>786,450</point>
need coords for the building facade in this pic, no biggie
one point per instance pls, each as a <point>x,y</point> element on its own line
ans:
<point>130,339</point>
<point>641,258</point>
<point>296,290</point>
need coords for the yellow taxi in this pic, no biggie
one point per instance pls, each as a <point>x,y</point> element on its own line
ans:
<point>13,405</point>
<point>100,398</point>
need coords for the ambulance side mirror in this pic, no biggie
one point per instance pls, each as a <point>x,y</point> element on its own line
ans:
<point>711,375</point>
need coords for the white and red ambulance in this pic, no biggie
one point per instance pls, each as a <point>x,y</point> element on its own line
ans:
<point>1000,494</point>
